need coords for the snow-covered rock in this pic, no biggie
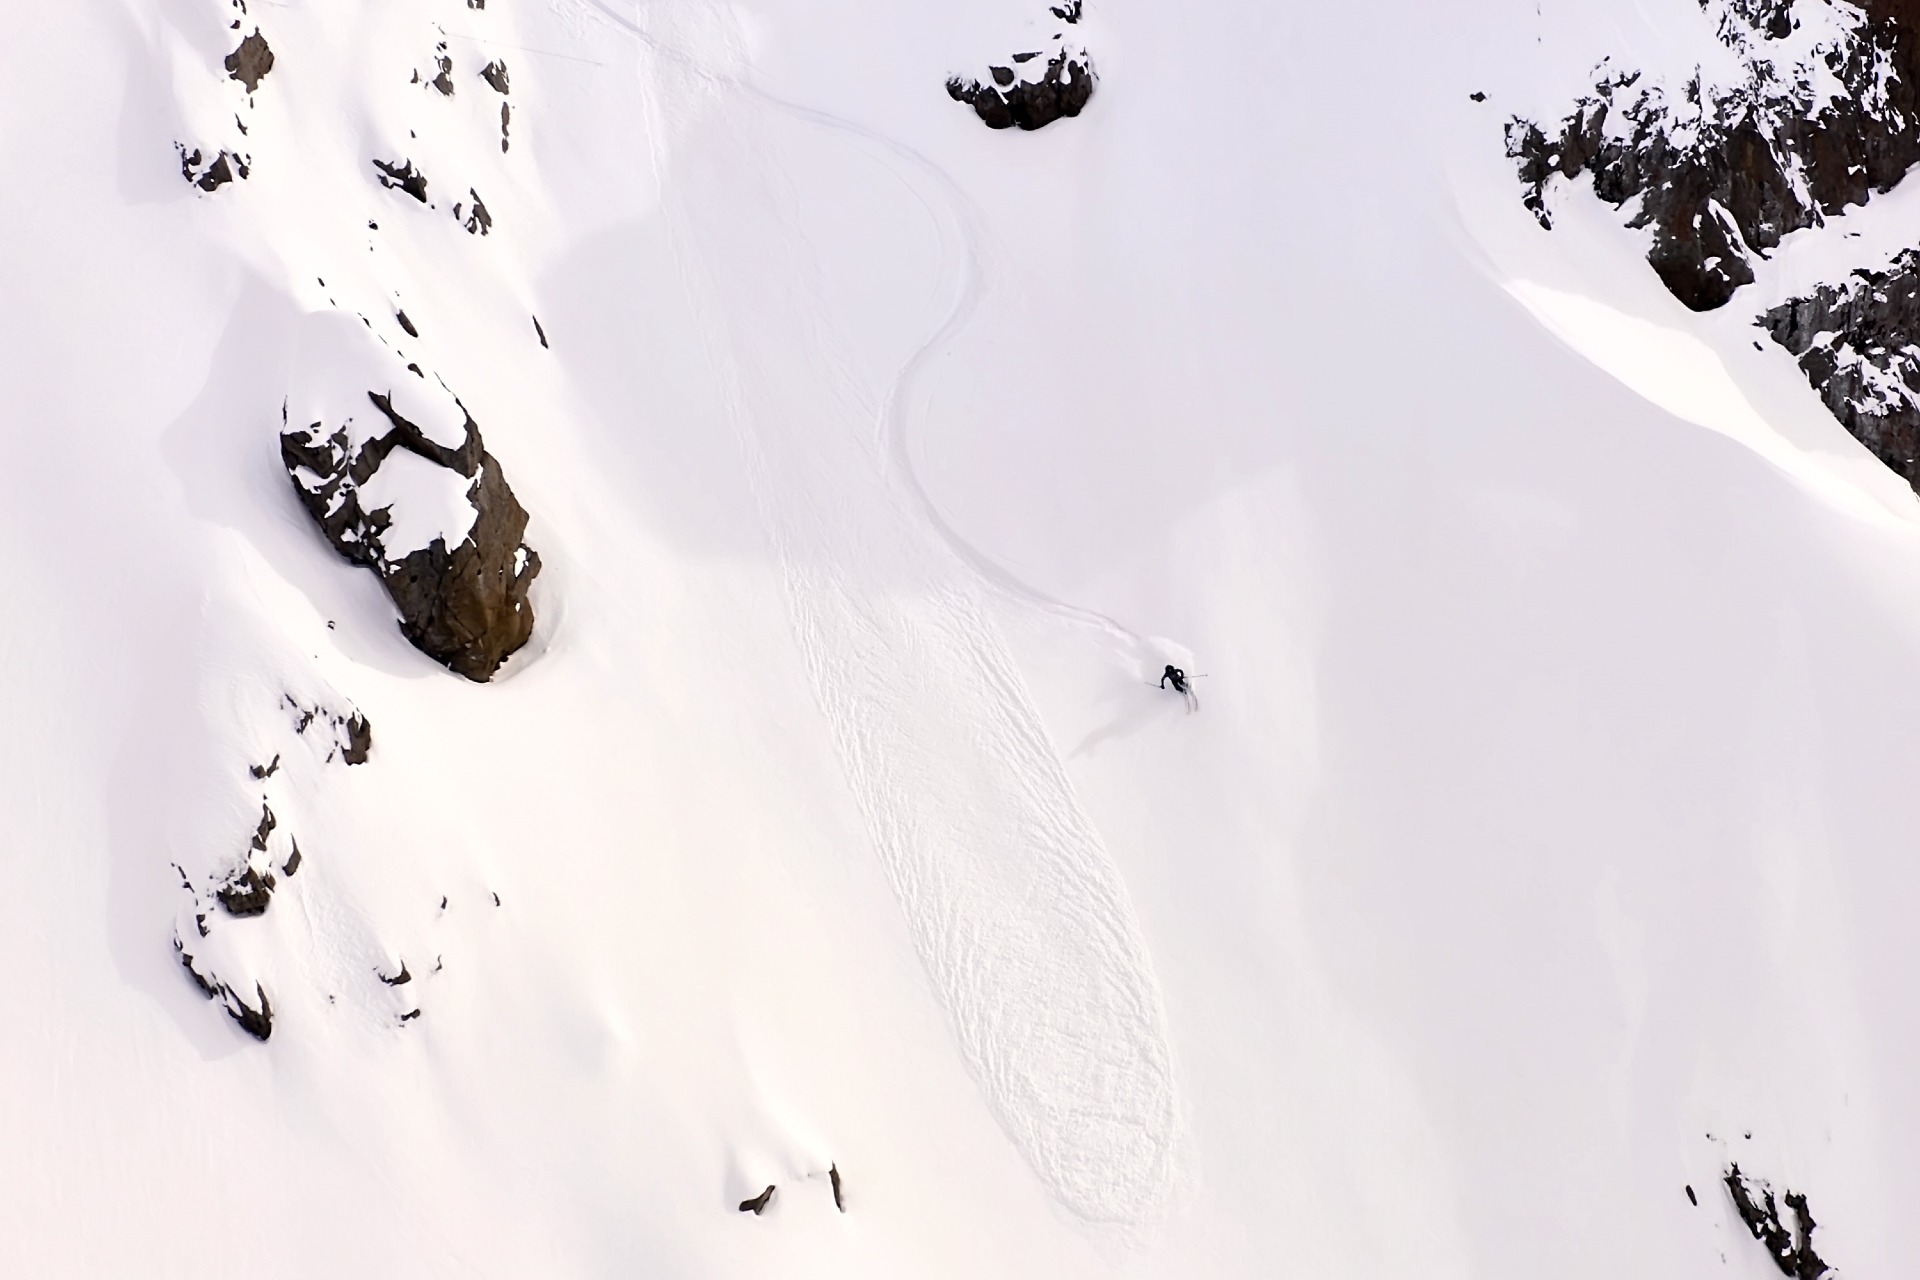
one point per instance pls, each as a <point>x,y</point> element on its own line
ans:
<point>1858,341</point>
<point>393,470</point>
<point>1805,107</point>
<point>1034,87</point>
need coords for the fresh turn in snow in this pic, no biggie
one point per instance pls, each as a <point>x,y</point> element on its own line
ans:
<point>1530,896</point>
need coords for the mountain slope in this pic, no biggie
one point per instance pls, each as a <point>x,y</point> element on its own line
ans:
<point>1541,834</point>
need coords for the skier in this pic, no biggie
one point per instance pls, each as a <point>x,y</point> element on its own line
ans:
<point>1176,675</point>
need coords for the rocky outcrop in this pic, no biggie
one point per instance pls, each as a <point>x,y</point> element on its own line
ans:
<point>1859,345</point>
<point>352,732</point>
<point>464,604</point>
<point>248,893</point>
<point>211,174</point>
<point>1028,93</point>
<point>1062,89</point>
<point>216,931</point>
<point>358,740</point>
<point>256,1019</point>
<point>250,62</point>
<point>478,221</point>
<point>495,74</point>
<point>1825,115</point>
<point>404,176</point>
<point>1789,1245</point>
<point>249,890</point>
<point>758,1204</point>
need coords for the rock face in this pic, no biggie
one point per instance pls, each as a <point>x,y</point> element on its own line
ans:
<point>1791,1247</point>
<point>1859,345</point>
<point>462,598</point>
<point>1825,115</point>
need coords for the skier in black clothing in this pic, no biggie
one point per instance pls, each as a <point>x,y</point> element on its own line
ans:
<point>1176,675</point>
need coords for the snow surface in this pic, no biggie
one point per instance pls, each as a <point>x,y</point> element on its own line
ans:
<point>1546,830</point>
<point>426,501</point>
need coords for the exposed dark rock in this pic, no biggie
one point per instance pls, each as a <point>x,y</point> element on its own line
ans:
<point>400,980</point>
<point>255,1019</point>
<point>404,176</point>
<point>539,332</point>
<point>210,175</point>
<point>1790,1246</point>
<point>506,119</point>
<point>1722,176</point>
<point>833,1176</point>
<point>207,985</point>
<point>495,74</point>
<point>444,81</point>
<point>1856,342</point>
<point>1070,12</point>
<point>265,829</point>
<point>464,606</point>
<point>250,62</point>
<point>260,772</point>
<point>410,1015</point>
<point>1692,1199</point>
<point>247,894</point>
<point>406,324</point>
<point>758,1205</point>
<point>1062,90</point>
<point>293,861</point>
<point>479,221</point>
<point>359,739</point>
<point>352,734</point>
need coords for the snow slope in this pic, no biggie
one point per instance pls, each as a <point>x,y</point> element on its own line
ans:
<point>1544,833</point>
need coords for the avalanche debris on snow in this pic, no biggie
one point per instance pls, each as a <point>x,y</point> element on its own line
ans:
<point>1794,110</point>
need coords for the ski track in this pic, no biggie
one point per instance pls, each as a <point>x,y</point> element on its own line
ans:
<point>1015,908</point>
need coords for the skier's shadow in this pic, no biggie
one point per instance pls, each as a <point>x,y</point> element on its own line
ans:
<point>1137,715</point>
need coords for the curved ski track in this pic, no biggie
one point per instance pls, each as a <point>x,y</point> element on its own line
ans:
<point>1016,910</point>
